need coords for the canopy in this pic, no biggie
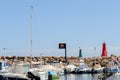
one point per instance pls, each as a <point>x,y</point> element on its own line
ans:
<point>48,67</point>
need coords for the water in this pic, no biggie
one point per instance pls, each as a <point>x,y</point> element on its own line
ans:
<point>79,77</point>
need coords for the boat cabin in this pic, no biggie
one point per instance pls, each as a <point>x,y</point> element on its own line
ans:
<point>3,66</point>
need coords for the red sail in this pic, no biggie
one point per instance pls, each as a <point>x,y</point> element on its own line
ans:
<point>104,51</point>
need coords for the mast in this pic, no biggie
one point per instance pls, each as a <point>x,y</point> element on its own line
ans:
<point>31,35</point>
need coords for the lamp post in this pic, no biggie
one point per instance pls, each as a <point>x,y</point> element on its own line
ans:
<point>4,53</point>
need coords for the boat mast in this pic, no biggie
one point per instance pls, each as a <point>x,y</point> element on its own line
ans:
<point>31,35</point>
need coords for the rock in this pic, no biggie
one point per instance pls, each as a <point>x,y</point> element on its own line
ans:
<point>97,66</point>
<point>104,62</point>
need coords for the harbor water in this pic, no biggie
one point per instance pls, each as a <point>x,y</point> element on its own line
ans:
<point>79,77</point>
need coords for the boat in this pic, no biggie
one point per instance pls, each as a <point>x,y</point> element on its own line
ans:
<point>55,66</point>
<point>83,68</point>
<point>70,68</point>
<point>52,75</point>
<point>112,71</point>
<point>115,76</point>
<point>7,74</point>
<point>97,69</point>
<point>13,76</point>
<point>35,73</point>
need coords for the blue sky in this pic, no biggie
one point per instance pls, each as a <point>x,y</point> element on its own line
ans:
<point>79,23</point>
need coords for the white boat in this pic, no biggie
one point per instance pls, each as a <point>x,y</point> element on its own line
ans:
<point>83,68</point>
<point>7,74</point>
<point>13,76</point>
<point>36,73</point>
<point>70,68</point>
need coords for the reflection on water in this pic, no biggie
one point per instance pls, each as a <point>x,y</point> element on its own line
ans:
<point>79,77</point>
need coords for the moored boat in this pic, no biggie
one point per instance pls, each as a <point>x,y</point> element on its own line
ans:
<point>97,69</point>
<point>13,76</point>
<point>83,68</point>
<point>70,68</point>
<point>52,75</point>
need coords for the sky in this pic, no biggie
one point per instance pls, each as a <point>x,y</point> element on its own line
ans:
<point>84,24</point>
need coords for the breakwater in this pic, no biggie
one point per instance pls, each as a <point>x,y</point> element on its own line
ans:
<point>103,61</point>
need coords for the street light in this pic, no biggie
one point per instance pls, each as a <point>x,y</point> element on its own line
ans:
<point>4,53</point>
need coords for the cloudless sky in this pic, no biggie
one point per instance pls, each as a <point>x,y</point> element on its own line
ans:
<point>78,23</point>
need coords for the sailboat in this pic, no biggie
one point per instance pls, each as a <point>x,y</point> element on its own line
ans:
<point>34,72</point>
